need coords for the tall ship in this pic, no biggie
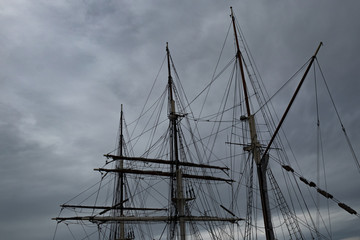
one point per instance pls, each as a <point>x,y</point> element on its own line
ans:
<point>218,166</point>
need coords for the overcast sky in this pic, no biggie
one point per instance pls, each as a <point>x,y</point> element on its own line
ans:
<point>67,65</point>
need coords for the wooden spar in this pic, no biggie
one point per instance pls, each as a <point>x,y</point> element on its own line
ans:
<point>292,100</point>
<point>227,210</point>
<point>165,174</point>
<point>261,163</point>
<point>161,161</point>
<point>241,65</point>
<point>108,208</point>
<point>121,176</point>
<point>180,203</point>
<point>148,219</point>
<point>174,156</point>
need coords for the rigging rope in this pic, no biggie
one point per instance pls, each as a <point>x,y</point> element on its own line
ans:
<point>289,80</point>
<point>320,155</point>
<point>342,125</point>
<point>214,78</point>
<point>147,99</point>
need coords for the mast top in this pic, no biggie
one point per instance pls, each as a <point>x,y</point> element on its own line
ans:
<point>317,50</point>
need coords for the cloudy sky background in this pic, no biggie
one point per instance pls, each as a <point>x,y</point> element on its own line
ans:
<point>66,66</point>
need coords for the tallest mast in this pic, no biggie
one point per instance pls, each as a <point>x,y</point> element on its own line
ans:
<point>261,163</point>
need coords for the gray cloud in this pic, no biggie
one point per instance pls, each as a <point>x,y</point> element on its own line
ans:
<point>67,65</point>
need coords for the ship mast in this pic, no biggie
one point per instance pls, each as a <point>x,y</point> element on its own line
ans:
<point>121,176</point>
<point>261,163</point>
<point>119,217</point>
<point>119,228</point>
<point>177,197</point>
<point>261,157</point>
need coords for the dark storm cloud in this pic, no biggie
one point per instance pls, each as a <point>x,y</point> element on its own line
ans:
<point>67,65</point>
